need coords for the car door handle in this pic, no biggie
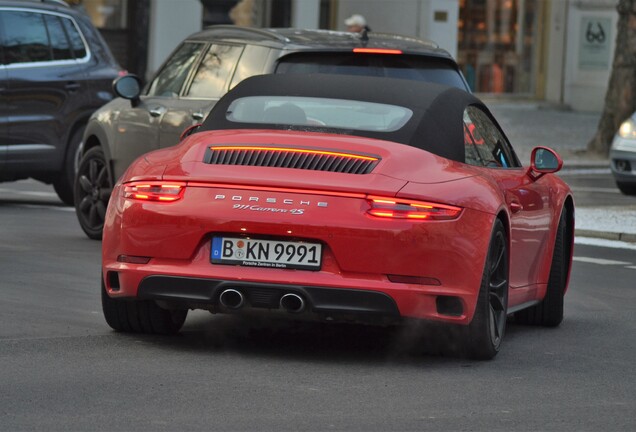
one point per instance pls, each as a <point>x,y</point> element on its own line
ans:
<point>72,86</point>
<point>197,116</point>
<point>156,112</point>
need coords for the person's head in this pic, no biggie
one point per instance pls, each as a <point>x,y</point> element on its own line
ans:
<point>355,23</point>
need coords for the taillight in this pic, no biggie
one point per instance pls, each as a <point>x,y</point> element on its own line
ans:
<point>408,209</point>
<point>155,191</point>
<point>376,51</point>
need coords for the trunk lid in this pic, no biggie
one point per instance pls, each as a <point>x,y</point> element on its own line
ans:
<point>306,160</point>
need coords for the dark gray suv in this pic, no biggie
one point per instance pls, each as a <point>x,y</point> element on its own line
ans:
<point>207,65</point>
<point>55,70</point>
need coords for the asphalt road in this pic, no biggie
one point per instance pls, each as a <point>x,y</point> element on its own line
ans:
<point>61,368</point>
<point>595,188</point>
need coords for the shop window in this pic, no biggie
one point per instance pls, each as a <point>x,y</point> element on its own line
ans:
<point>105,14</point>
<point>498,42</point>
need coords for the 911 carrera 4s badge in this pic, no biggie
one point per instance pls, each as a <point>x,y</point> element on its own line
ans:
<point>266,253</point>
<point>271,204</point>
<point>295,211</point>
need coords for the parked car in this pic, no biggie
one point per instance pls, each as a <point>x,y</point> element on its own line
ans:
<point>623,156</point>
<point>353,199</point>
<point>55,70</point>
<point>205,66</point>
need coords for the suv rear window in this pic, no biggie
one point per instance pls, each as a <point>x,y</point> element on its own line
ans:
<point>402,66</point>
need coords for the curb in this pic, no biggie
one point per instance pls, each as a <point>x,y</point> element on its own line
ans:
<point>624,237</point>
<point>570,164</point>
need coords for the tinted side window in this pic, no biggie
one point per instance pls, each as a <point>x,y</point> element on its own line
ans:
<point>36,37</point>
<point>484,143</point>
<point>77,44</point>
<point>60,46</point>
<point>174,73</point>
<point>471,155</point>
<point>26,38</point>
<point>211,79</point>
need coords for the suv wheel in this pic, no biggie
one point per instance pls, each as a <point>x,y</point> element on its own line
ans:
<point>64,184</point>
<point>93,187</point>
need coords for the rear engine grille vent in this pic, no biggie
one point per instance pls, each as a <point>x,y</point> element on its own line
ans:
<point>307,159</point>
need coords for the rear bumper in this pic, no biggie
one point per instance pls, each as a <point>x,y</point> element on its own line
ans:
<point>370,301</point>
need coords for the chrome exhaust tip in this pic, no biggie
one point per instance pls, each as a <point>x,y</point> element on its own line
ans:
<point>231,299</point>
<point>292,303</point>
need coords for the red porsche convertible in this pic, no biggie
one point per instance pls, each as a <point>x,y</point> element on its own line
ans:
<point>342,198</point>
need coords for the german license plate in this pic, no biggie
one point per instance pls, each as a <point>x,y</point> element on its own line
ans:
<point>266,253</point>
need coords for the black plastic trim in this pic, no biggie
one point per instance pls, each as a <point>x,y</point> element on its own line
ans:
<point>320,299</point>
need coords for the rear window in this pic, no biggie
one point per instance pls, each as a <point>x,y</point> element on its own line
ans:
<point>318,112</point>
<point>410,67</point>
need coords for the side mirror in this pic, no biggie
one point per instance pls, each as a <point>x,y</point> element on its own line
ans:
<point>128,87</point>
<point>543,161</point>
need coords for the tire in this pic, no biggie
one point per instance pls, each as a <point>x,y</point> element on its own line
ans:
<point>626,188</point>
<point>549,313</point>
<point>93,187</point>
<point>141,316</point>
<point>482,338</point>
<point>64,184</point>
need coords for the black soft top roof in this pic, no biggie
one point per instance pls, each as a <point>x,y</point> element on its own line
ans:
<point>436,124</point>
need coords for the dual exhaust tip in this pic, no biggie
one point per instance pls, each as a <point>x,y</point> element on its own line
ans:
<point>234,299</point>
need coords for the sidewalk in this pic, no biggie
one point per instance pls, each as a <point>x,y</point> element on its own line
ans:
<point>529,124</point>
<point>609,223</point>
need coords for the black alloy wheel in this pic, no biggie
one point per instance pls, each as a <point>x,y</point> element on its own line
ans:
<point>549,313</point>
<point>484,335</point>
<point>93,187</point>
